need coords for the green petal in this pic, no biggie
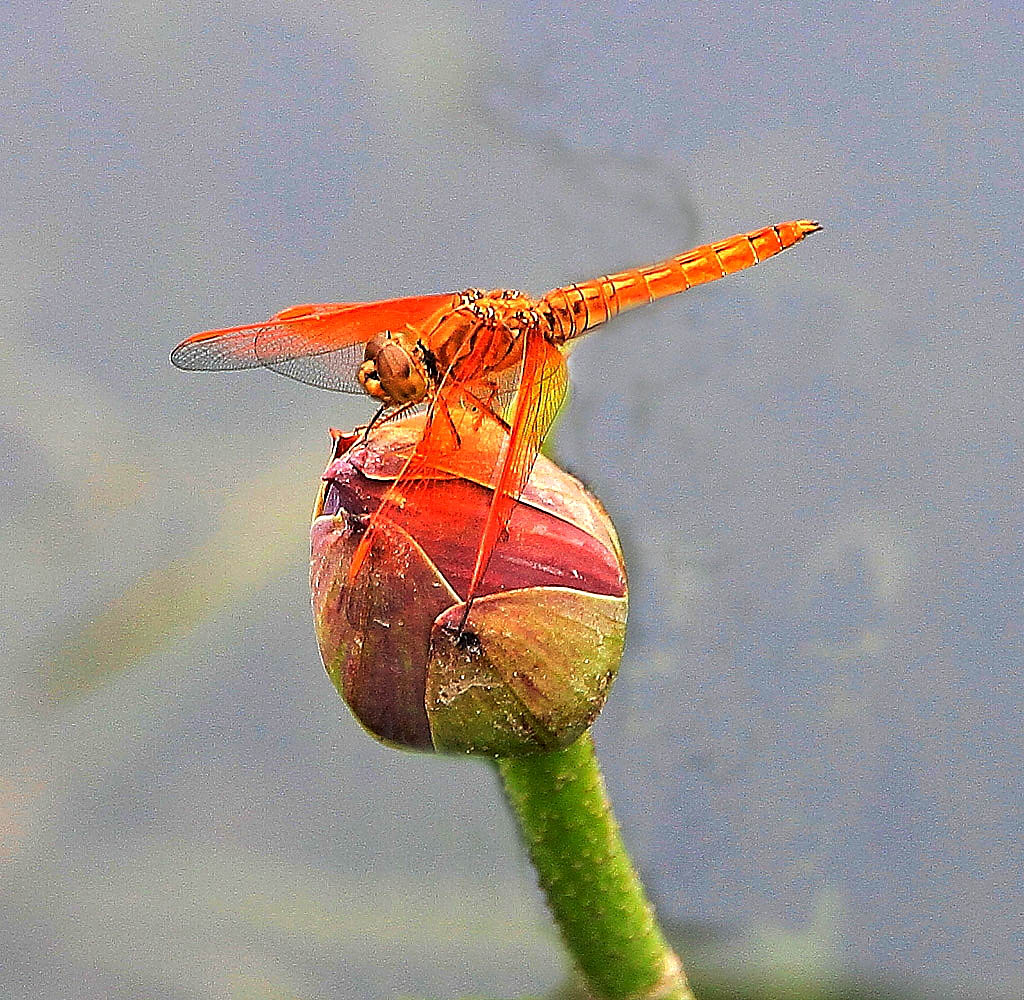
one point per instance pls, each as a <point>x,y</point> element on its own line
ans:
<point>531,672</point>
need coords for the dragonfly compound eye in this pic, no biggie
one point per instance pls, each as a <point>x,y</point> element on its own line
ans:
<point>389,372</point>
<point>400,377</point>
<point>374,345</point>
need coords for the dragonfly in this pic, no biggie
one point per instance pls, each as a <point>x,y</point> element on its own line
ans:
<point>466,357</point>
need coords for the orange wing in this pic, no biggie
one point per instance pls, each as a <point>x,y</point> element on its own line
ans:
<point>320,344</point>
<point>450,419</point>
<point>454,415</point>
<point>542,388</point>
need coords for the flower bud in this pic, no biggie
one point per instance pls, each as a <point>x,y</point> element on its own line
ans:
<point>532,665</point>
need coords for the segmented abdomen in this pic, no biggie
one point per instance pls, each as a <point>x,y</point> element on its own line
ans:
<point>578,308</point>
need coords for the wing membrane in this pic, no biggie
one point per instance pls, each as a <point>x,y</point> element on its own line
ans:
<point>542,388</point>
<point>334,370</point>
<point>449,421</point>
<point>288,340</point>
<point>507,458</point>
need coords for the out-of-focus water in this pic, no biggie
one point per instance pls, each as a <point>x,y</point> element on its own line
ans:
<point>815,741</point>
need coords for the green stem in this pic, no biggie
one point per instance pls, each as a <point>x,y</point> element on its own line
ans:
<point>584,868</point>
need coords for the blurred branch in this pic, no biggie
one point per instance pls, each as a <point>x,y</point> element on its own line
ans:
<point>262,532</point>
<point>82,438</point>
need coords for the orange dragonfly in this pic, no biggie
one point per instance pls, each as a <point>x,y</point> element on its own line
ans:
<point>467,357</point>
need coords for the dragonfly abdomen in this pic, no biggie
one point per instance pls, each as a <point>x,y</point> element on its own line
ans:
<point>575,309</point>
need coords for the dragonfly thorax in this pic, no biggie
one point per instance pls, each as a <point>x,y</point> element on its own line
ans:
<point>391,372</point>
<point>480,339</point>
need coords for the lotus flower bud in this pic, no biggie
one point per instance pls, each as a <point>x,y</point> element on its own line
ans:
<point>531,668</point>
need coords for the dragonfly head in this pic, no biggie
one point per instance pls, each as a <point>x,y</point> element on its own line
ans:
<point>392,373</point>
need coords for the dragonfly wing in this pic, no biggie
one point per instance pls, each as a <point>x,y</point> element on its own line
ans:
<point>501,390</point>
<point>304,332</point>
<point>456,443</point>
<point>543,383</point>
<point>334,370</point>
<point>447,423</point>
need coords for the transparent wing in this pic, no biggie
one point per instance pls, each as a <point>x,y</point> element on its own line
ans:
<point>299,341</point>
<point>450,446</point>
<point>502,455</point>
<point>334,370</point>
<point>542,386</point>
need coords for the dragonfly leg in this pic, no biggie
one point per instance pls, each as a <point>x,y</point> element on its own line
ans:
<point>373,422</point>
<point>442,405</point>
<point>398,412</point>
<point>474,404</point>
<point>459,630</point>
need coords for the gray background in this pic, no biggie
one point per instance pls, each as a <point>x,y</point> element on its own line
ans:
<point>815,744</point>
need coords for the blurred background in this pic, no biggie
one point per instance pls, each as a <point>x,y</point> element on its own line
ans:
<point>815,743</point>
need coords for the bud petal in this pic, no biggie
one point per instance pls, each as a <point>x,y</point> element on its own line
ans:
<point>542,644</point>
<point>536,673</point>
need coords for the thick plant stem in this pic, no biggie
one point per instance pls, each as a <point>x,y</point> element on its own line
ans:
<point>592,889</point>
